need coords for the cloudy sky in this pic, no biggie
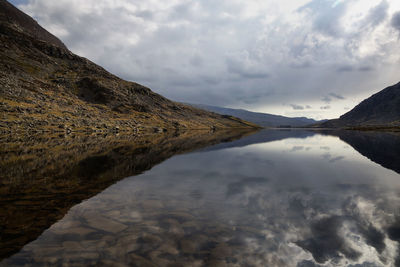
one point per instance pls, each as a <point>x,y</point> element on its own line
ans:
<point>315,58</point>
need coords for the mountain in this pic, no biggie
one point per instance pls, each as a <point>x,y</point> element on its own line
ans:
<point>262,119</point>
<point>380,110</point>
<point>45,87</point>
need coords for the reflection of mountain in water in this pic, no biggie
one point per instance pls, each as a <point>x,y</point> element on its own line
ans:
<point>263,137</point>
<point>380,147</point>
<point>42,178</point>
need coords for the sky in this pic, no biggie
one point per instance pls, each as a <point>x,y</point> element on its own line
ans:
<point>313,58</point>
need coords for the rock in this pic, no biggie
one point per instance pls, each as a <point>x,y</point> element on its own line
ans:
<point>74,230</point>
<point>49,260</point>
<point>140,261</point>
<point>191,226</point>
<point>157,260</point>
<point>169,248</point>
<point>157,129</point>
<point>105,224</point>
<point>72,245</point>
<point>152,204</point>
<point>180,216</point>
<point>221,251</point>
<point>150,239</point>
<point>188,246</point>
<point>89,255</point>
<point>107,262</point>
<point>217,263</point>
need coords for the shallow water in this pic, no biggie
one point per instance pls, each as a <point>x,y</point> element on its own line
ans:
<point>276,198</point>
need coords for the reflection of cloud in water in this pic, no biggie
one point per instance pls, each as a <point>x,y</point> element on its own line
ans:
<point>331,230</point>
<point>336,159</point>
<point>296,148</point>
<point>330,158</point>
<point>240,186</point>
<point>326,242</point>
<point>229,206</point>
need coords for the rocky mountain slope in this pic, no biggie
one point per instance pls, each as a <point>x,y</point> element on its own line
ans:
<point>45,87</point>
<point>262,119</point>
<point>380,110</point>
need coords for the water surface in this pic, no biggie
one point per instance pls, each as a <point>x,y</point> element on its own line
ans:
<point>276,198</point>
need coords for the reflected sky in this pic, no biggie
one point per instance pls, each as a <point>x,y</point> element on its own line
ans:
<point>305,200</point>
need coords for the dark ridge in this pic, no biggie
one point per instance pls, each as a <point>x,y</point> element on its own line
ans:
<point>382,107</point>
<point>381,110</point>
<point>262,119</point>
<point>26,24</point>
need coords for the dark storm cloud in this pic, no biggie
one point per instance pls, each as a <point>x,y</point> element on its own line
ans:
<point>326,16</point>
<point>366,68</point>
<point>377,14</point>
<point>326,99</point>
<point>345,69</point>
<point>329,98</point>
<point>296,107</point>
<point>337,96</point>
<point>237,67</point>
<point>396,21</point>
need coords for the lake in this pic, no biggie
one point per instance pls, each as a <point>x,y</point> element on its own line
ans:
<point>271,198</point>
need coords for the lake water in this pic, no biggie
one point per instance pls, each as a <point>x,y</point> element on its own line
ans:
<point>274,198</point>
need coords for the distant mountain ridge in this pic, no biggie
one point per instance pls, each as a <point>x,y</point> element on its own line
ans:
<point>380,110</point>
<point>262,119</point>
